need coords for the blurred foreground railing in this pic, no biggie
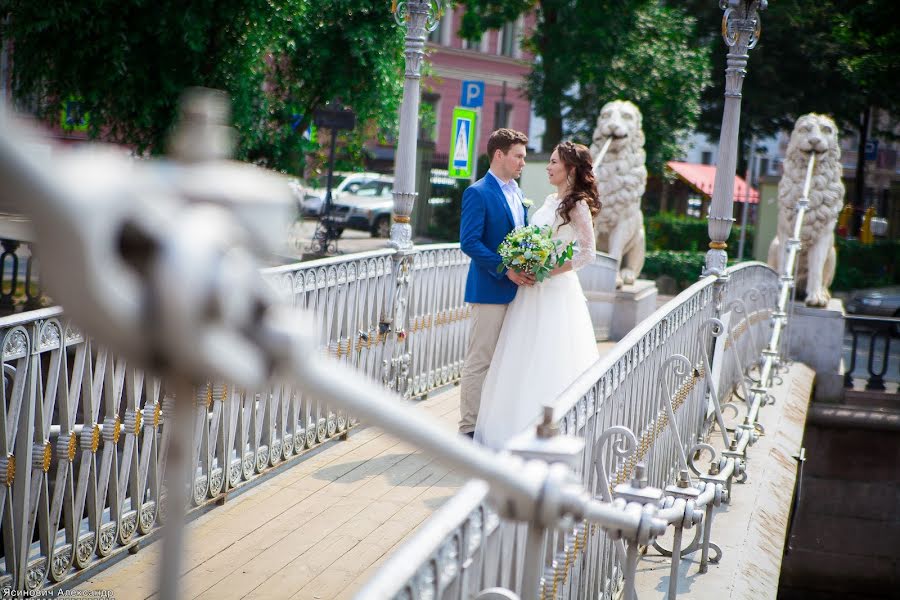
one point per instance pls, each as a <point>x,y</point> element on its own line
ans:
<point>665,381</point>
<point>92,430</point>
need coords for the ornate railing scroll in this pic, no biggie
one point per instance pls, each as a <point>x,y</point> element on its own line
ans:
<point>619,395</point>
<point>90,430</point>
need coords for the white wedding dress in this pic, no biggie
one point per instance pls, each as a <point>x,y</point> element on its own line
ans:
<point>546,341</point>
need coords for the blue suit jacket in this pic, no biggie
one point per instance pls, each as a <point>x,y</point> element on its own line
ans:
<point>486,219</point>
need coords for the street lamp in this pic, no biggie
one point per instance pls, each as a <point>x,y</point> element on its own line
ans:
<point>741,28</point>
<point>420,18</point>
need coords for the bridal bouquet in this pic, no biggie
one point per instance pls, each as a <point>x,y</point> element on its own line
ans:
<point>532,249</point>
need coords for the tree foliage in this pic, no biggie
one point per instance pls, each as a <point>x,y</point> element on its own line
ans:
<point>127,61</point>
<point>350,51</point>
<point>659,68</point>
<point>827,57</point>
<point>593,51</point>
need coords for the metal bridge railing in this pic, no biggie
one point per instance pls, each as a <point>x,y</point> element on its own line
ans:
<point>91,429</point>
<point>665,381</point>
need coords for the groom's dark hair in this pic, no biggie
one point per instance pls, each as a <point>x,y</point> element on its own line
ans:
<point>503,140</point>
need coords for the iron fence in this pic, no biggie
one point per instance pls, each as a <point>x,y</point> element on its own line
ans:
<point>90,431</point>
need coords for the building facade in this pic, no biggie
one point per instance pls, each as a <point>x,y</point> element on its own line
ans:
<point>497,59</point>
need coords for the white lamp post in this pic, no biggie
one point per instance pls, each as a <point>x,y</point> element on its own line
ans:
<point>741,30</point>
<point>420,18</point>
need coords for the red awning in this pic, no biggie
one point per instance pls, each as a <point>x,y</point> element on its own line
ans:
<point>702,177</point>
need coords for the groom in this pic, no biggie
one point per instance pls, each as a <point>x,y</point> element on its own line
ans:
<point>491,208</point>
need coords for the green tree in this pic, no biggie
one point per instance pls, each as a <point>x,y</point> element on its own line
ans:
<point>345,50</point>
<point>658,67</point>
<point>558,41</point>
<point>592,51</point>
<point>127,62</point>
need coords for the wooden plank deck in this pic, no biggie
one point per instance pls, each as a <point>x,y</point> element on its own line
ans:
<point>316,531</point>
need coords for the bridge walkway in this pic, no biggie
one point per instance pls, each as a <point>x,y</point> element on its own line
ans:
<point>315,531</point>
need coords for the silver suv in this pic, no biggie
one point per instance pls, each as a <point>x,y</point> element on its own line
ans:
<point>369,207</point>
<point>312,196</point>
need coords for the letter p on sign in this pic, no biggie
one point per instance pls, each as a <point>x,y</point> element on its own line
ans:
<point>472,94</point>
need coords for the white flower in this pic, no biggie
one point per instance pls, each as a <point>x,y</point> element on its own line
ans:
<point>527,202</point>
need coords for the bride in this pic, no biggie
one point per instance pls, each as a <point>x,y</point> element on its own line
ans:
<point>547,338</point>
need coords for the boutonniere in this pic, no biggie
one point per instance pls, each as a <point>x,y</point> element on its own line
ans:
<point>527,202</point>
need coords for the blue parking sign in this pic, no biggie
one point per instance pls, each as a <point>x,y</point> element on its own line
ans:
<point>472,95</point>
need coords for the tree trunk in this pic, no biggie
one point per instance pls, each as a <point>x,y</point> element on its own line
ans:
<point>860,183</point>
<point>550,87</point>
<point>664,195</point>
<point>553,134</point>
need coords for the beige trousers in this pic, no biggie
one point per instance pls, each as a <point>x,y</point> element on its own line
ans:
<point>487,319</point>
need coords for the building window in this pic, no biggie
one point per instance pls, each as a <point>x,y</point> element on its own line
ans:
<point>472,44</point>
<point>509,38</point>
<point>502,111</point>
<point>706,158</point>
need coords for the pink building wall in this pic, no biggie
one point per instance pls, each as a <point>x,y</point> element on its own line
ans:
<point>451,64</point>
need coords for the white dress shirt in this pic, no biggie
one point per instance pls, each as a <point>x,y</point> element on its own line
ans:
<point>513,198</point>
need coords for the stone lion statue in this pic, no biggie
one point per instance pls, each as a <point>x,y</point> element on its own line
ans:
<point>813,135</point>
<point>621,179</point>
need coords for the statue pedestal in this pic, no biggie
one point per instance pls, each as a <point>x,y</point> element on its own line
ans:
<point>816,338</point>
<point>598,281</point>
<point>631,305</point>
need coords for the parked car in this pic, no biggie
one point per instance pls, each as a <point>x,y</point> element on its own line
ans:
<point>312,199</point>
<point>370,207</point>
<point>879,302</point>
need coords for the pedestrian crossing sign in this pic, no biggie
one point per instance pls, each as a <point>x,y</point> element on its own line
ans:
<point>462,143</point>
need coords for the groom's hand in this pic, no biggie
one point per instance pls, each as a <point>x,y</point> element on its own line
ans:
<point>520,278</point>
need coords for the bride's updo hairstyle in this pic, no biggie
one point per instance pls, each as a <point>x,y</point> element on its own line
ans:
<point>578,163</point>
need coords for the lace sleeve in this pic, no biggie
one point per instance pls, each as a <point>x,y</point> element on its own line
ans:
<point>584,236</point>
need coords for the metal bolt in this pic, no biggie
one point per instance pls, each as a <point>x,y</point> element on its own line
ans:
<point>713,468</point>
<point>733,445</point>
<point>547,427</point>
<point>684,480</point>
<point>640,476</point>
